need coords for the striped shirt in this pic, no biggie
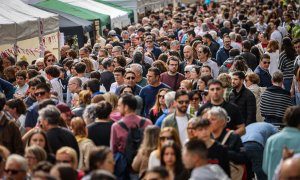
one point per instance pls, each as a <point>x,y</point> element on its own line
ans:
<point>286,65</point>
<point>274,102</point>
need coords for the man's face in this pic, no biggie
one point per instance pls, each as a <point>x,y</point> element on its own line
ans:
<point>121,107</point>
<point>63,52</point>
<point>265,63</point>
<point>149,43</point>
<point>115,52</point>
<point>187,53</point>
<point>204,40</point>
<point>41,94</point>
<point>130,79</point>
<point>32,90</point>
<point>215,92</point>
<point>188,159</point>
<point>151,78</point>
<point>73,86</point>
<point>173,66</point>
<point>13,171</point>
<point>227,42</point>
<point>215,123</point>
<point>182,103</point>
<point>297,48</point>
<point>236,82</point>
<point>82,54</point>
<point>202,133</point>
<point>20,80</point>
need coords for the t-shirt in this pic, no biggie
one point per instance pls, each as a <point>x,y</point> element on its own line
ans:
<point>170,80</point>
<point>235,116</point>
<point>182,123</point>
<point>99,133</point>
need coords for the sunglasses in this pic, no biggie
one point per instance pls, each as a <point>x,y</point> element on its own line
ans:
<point>42,93</point>
<point>132,78</point>
<point>163,138</point>
<point>266,62</point>
<point>149,41</point>
<point>195,99</point>
<point>51,60</point>
<point>161,96</point>
<point>12,171</point>
<point>183,102</point>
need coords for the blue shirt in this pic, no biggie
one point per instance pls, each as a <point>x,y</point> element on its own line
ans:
<point>161,118</point>
<point>259,132</point>
<point>264,76</point>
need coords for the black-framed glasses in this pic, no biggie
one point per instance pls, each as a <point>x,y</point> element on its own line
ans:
<point>161,96</point>
<point>132,78</point>
<point>183,102</point>
<point>266,62</point>
<point>42,93</point>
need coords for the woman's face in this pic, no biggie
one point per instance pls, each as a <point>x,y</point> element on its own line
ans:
<point>201,85</point>
<point>248,82</point>
<point>109,163</point>
<point>205,71</point>
<point>115,63</point>
<point>195,100</point>
<point>127,90</point>
<point>190,131</point>
<point>194,74</point>
<point>216,123</point>
<point>31,159</point>
<point>38,139</point>
<point>50,61</point>
<point>40,65</point>
<point>161,97</point>
<point>73,71</point>
<point>169,157</point>
<point>75,100</point>
<point>166,137</point>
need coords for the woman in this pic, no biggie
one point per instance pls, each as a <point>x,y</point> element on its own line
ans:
<point>195,75</point>
<point>161,65</point>
<point>75,101</point>
<point>61,171</point>
<point>159,106</point>
<point>196,44</point>
<point>170,157</point>
<point>85,98</point>
<point>89,66</point>
<point>286,62</point>
<point>34,154</point>
<point>85,145</point>
<point>206,70</point>
<point>17,109</point>
<point>166,135</point>
<point>119,61</point>
<point>149,144</point>
<point>273,51</point>
<point>112,98</point>
<point>251,82</point>
<point>195,99</point>
<point>203,81</point>
<point>67,155</point>
<point>50,60</point>
<point>239,64</point>
<point>226,82</point>
<point>186,85</point>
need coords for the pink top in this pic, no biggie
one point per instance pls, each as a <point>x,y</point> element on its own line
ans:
<point>118,136</point>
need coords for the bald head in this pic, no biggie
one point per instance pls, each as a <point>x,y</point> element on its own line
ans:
<point>188,53</point>
<point>290,168</point>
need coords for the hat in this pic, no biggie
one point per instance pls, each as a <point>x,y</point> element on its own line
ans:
<point>64,108</point>
<point>112,33</point>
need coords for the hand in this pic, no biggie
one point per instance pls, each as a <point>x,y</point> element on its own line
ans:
<point>287,153</point>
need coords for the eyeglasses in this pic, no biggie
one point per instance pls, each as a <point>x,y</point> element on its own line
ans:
<point>42,93</point>
<point>149,41</point>
<point>51,60</point>
<point>161,96</point>
<point>183,102</point>
<point>130,77</point>
<point>163,138</point>
<point>63,161</point>
<point>12,171</point>
<point>266,62</point>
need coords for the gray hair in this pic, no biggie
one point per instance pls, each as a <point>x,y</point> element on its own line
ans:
<point>20,160</point>
<point>169,98</point>
<point>174,43</point>
<point>118,48</point>
<point>39,60</point>
<point>277,77</point>
<point>220,113</point>
<point>78,80</point>
<point>137,66</point>
<point>89,114</point>
<point>226,24</point>
<point>232,36</point>
<point>214,34</point>
<point>50,113</point>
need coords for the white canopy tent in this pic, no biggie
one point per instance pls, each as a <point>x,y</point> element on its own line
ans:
<point>118,17</point>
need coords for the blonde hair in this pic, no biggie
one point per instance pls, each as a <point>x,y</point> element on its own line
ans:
<point>78,127</point>
<point>174,135</point>
<point>85,97</point>
<point>187,83</point>
<point>71,152</point>
<point>112,98</point>
<point>38,152</point>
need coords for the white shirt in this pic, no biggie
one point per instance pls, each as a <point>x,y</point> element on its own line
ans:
<point>274,62</point>
<point>153,160</point>
<point>22,90</point>
<point>182,123</point>
<point>113,87</point>
<point>57,87</point>
<point>214,67</point>
<point>277,36</point>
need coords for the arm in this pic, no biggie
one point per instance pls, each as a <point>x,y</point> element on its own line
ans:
<point>251,109</point>
<point>240,129</point>
<point>8,88</point>
<point>113,141</point>
<point>137,161</point>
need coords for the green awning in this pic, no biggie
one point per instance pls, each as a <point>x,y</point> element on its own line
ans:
<point>129,11</point>
<point>74,10</point>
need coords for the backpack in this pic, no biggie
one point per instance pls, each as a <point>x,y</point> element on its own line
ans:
<point>134,139</point>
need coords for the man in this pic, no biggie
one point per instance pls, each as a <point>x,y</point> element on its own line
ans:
<point>243,98</point>
<point>170,105</point>
<point>190,36</point>
<point>129,79</point>
<point>127,105</point>
<point>228,63</point>
<point>172,78</point>
<point>275,33</point>
<point>107,76</point>
<point>52,73</point>
<point>262,70</point>
<point>188,59</point>
<point>215,92</point>
<point>63,53</point>
<point>254,142</point>
<point>119,78</point>
<point>41,93</point>
<point>179,119</point>
<point>93,85</point>
<point>74,86</point>
<point>149,92</point>
<point>22,86</point>
<point>16,167</point>
<point>57,137</point>
<point>158,172</point>
<point>249,57</point>
<point>290,168</point>
<point>194,156</point>
<point>288,137</point>
<point>84,53</point>
<point>30,99</point>
<point>10,136</point>
<point>149,43</point>
<point>213,46</point>
<point>275,100</point>
<point>223,52</point>
<point>198,29</point>
<point>204,55</point>
<point>261,26</point>
<point>138,71</point>
<point>116,51</point>
<point>175,45</point>
<point>296,43</point>
<point>80,69</point>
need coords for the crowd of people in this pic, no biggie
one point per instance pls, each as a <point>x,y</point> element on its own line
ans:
<point>205,91</point>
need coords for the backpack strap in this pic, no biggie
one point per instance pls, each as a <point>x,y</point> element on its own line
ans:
<point>226,137</point>
<point>123,125</point>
